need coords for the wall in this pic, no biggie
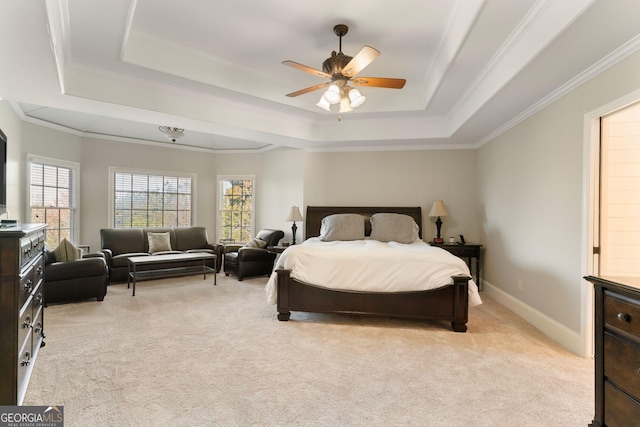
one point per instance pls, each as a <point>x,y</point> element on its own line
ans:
<point>530,186</point>
<point>99,155</point>
<point>282,187</point>
<point>12,127</point>
<point>278,183</point>
<point>400,178</point>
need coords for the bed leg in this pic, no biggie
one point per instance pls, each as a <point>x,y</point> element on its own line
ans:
<point>283,295</point>
<point>458,327</point>
<point>283,317</point>
<point>460,303</point>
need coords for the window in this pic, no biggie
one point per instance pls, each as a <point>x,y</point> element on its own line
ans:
<point>53,198</point>
<point>142,199</point>
<point>236,208</point>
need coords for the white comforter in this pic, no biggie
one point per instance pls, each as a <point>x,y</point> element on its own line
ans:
<point>370,265</point>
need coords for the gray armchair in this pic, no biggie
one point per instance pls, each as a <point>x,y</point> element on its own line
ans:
<point>243,261</point>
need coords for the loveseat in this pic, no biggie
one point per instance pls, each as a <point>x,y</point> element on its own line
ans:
<point>118,244</point>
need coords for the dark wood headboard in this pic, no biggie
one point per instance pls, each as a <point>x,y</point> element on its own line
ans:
<point>313,219</point>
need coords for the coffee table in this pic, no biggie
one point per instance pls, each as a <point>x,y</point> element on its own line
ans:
<point>167,271</point>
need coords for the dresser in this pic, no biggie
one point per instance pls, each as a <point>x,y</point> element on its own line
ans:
<point>21,307</point>
<point>617,351</point>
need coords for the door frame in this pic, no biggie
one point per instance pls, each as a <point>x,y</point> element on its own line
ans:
<point>591,209</point>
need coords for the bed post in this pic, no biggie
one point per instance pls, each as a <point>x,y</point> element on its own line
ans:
<point>283,295</point>
<point>460,303</point>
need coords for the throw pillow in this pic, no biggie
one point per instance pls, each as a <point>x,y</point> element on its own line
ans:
<point>256,243</point>
<point>66,251</point>
<point>159,242</point>
<point>342,227</point>
<point>391,227</point>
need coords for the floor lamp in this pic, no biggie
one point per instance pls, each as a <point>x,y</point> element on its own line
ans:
<point>294,215</point>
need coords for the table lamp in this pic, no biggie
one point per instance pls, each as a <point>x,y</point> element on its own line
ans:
<point>294,215</point>
<point>438,210</point>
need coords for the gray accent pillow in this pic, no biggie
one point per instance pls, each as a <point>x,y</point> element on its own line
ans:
<point>392,227</point>
<point>342,227</point>
<point>159,242</point>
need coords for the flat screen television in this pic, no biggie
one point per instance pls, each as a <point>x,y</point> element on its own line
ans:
<point>3,173</point>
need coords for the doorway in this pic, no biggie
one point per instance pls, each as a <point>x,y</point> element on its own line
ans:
<point>612,211</point>
<point>619,218</point>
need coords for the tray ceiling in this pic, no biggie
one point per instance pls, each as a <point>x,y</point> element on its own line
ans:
<point>121,68</point>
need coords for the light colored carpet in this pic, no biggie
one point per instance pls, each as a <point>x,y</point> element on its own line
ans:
<point>183,352</point>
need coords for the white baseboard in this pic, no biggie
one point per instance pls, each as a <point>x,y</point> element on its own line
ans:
<point>564,336</point>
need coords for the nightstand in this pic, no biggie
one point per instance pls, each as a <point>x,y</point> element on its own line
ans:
<point>276,249</point>
<point>469,251</point>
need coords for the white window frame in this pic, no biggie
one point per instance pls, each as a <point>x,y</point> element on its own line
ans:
<point>74,192</point>
<point>113,170</point>
<point>220,179</point>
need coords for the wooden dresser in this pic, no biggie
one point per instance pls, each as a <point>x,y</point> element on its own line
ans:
<point>617,351</point>
<point>21,307</point>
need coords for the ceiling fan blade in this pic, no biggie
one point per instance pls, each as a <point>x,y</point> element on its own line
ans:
<point>379,82</point>
<point>306,69</point>
<point>309,89</point>
<point>363,58</point>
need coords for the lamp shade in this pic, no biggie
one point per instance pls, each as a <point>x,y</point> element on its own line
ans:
<point>438,209</point>
<point>332,95</point>
<point>345,107</point>
<point>324,104</point>
<point>356,98</point>
<point>294,214</point>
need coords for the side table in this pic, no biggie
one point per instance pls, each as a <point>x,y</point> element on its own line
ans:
<point>469,251</point>
<point>276,249</point>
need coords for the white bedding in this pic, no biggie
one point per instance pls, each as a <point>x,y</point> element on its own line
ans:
<point>370,265</point>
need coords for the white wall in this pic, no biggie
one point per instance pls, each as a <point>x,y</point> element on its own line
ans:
<point>99,155</point>
<point>530,200</point>
<point>12,127</point>
<point>279,183</point>
<point>399,178</point>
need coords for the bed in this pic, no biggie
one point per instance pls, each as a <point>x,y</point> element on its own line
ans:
<point>448,302</point>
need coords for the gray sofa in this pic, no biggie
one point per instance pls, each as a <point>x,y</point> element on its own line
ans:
<point>118,244</point>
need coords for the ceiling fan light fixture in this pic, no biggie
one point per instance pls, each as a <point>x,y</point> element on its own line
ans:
<point>332,95</point>
<point>324,104</point>
<point>356,98</point>
<point>345,105</point>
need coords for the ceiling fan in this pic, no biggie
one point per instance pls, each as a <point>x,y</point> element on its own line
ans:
<point>342,69</point>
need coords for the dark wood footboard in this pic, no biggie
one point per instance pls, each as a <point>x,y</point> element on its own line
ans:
<point>449,303</point>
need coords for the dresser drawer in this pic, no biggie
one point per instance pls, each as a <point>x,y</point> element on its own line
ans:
<point>27,284</point>
<point>462,251</point>
<point>619,409</point>
<point>25,358</point>
<point>38,271</point>
<point>622,313</point>
<point>25,326</point>
<point>622,364</point>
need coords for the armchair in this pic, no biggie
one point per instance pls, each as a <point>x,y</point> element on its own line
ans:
<point>244,261</point>
<point>84,278</point>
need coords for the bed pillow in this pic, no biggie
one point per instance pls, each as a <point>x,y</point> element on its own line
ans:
<point>159,242</point>
<point>66,251</point>
<point>256,243</point>
<point>342,227</point>
<point>391,227</point>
